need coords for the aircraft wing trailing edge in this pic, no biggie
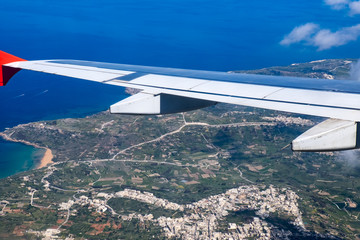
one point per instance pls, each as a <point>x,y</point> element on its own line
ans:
<point>169,90</point>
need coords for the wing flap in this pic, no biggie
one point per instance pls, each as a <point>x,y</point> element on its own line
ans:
<point>330,135</point>
<point>145,103</point>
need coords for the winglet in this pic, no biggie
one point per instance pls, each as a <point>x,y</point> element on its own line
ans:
<point>6,73</point>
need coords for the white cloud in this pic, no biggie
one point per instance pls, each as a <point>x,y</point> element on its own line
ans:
<point>355,71</point>
<point>350,159</point>
<point>323,39</point>
<point>354,8</point>
<point>300,33</point>
<point>337,4</point>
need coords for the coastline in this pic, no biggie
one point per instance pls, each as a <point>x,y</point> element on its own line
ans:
<point>45,160</point>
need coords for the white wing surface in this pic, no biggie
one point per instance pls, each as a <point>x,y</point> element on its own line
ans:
<point>319,97</point>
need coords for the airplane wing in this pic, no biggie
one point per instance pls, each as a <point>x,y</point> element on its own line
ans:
<point>169,90</point>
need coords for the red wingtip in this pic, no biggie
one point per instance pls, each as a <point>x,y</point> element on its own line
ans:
<point>7,72</point>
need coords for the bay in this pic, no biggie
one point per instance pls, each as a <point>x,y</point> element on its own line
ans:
<point>16,157</point>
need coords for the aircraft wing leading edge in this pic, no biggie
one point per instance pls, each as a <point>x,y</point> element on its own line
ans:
<point>169,90</point>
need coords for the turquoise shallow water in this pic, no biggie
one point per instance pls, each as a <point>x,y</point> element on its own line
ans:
<point>17,157</point>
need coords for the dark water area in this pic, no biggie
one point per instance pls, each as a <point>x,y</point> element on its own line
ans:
<point>209,35</point>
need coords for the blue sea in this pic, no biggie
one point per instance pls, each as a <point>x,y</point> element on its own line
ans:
<point>197,34</point>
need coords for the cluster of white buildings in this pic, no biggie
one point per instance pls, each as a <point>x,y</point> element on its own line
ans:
<point>201,220</point>
<point>290,120</point>
<point>149,198</point>
<point>257,228</point>
<point>98,204</point>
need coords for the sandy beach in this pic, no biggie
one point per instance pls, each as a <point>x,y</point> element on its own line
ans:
<point>46,160</point>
